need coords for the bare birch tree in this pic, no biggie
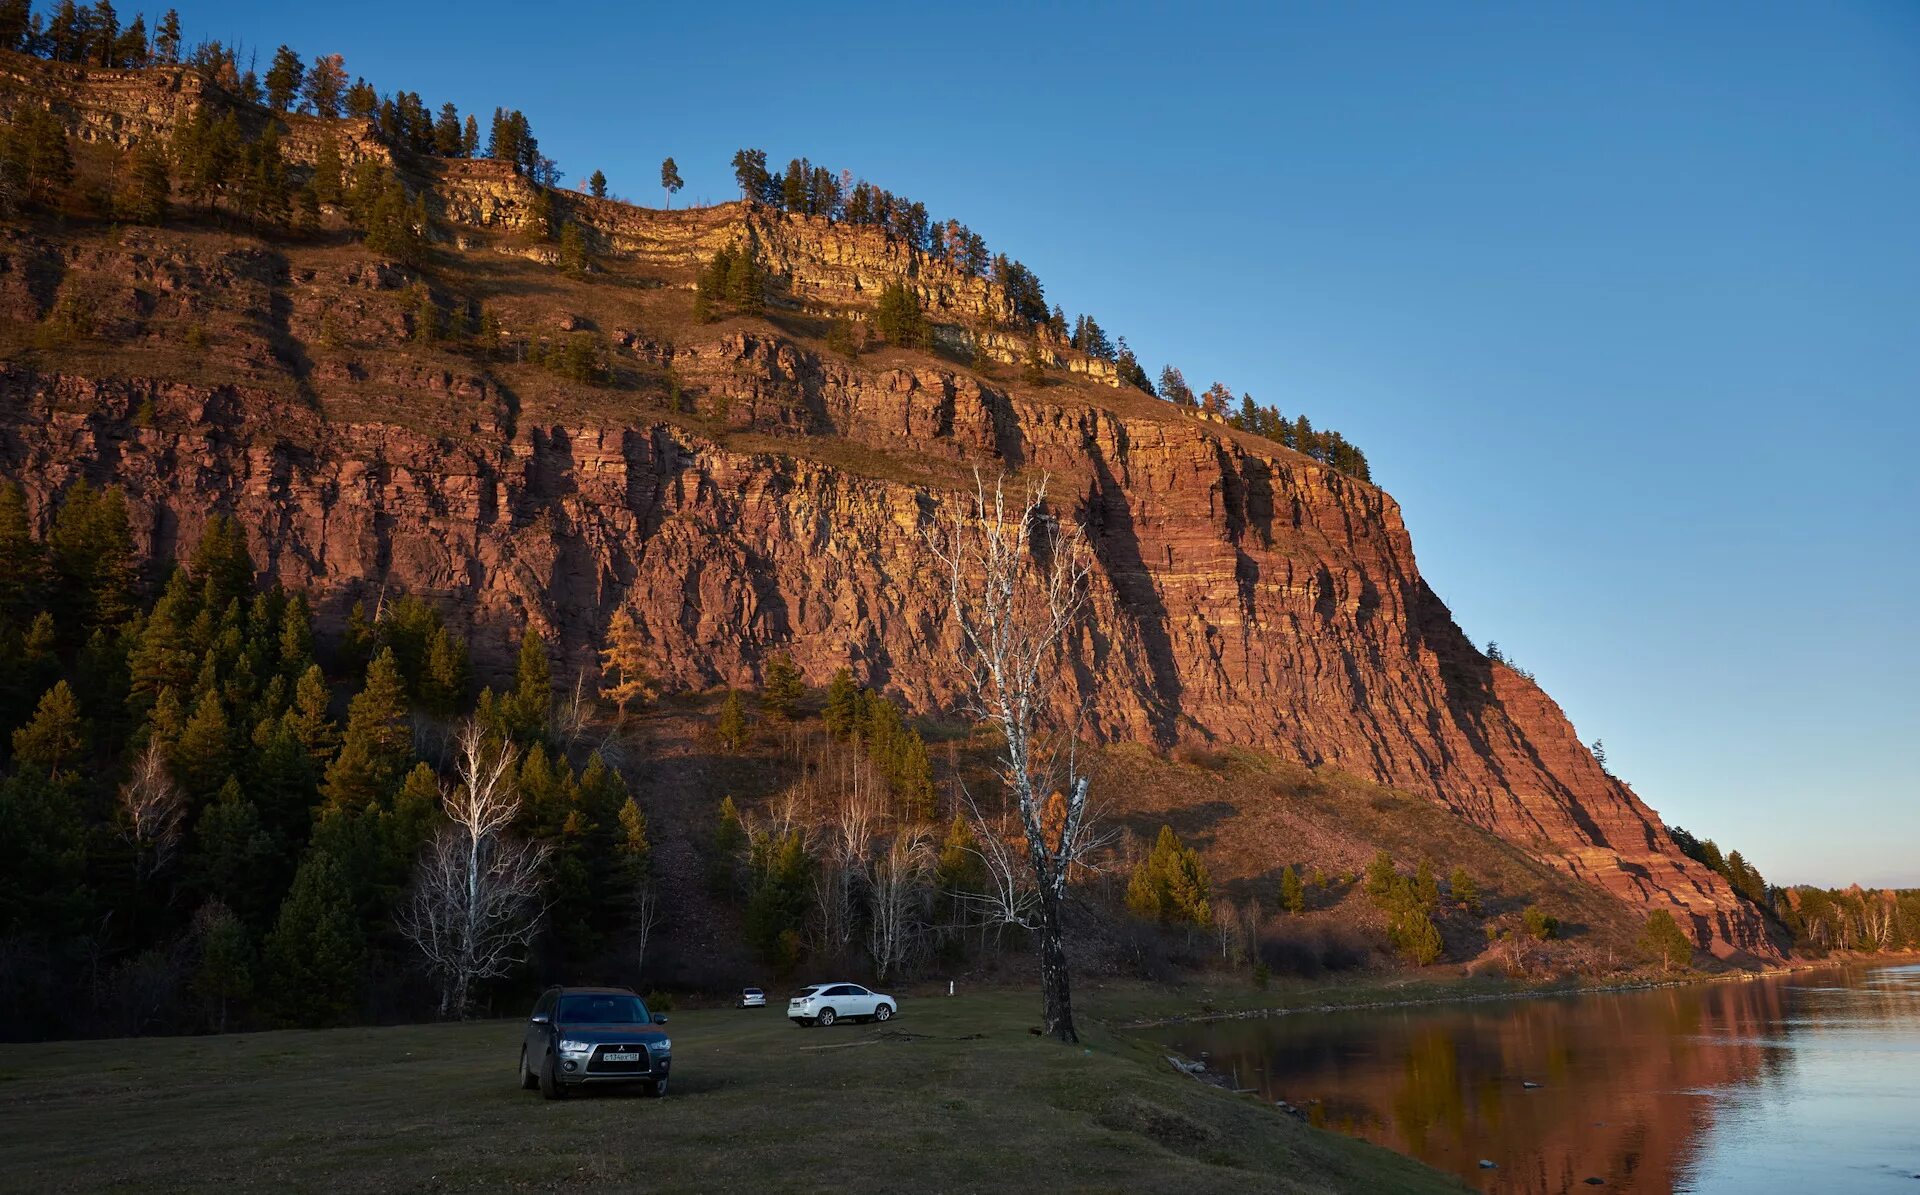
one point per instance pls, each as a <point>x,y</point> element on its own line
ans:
<point>476,895</point>
<point>1007,895</point>
<point>899,882</point>
<point>152,808</point>
<point>1016,577</point>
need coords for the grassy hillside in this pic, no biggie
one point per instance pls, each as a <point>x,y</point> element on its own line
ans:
<point>954,1095</point>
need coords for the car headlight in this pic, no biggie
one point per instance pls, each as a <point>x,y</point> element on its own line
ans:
<point>663,1046</point>
<point>570,1046</point>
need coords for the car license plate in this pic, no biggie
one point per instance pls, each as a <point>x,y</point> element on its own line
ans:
<point>612,1056</point>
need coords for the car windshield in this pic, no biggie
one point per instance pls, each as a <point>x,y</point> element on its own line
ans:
<point>805,992</point>
<point>753,991</point>
<point>602,1008</point>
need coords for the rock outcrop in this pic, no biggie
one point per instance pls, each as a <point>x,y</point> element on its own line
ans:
<point>774,503</point>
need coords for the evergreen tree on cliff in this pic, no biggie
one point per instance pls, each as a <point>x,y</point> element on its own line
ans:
<point>326,85</point>
<point>670,180</point>
<point>284,78</point>
<point>750,172</point>
<point>166,38</point>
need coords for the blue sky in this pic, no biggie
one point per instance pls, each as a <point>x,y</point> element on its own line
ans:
<point>1622,300</point>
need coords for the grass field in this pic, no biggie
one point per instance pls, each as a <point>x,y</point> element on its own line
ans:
<point>953,1095</point>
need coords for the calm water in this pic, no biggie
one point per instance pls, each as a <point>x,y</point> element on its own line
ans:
<point>1801,1083</point>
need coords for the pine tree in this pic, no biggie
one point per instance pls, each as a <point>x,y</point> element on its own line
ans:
<point>746,284</point>
<point>142,196</point>
<point>326,84</point>
<point>223,973</point>
<point>378,743</point>
<point>1416,936</point>
<point>234,857</point>
<point>23,576</point>
<point>284,78</point>
<point>842,711</point>
<point>316,953</point>
<point>53,743</point>
<point>396,229</point>
<point>203,757</point>
<point>636,849</point>
<point>166,38</point>
<point>1664,940</point>
<point>470,137</point>
<point>782,690</point>
<point>732,731</point>
<point>42,890</point>
<point>573,250</point>
<point>750,172</point>
<point>221,564</point>
<point>624,663</point>
<point>34,155</point>
<point>1381,878</point>
<point>1293,896</point>
<point>307,721</point>
<point>597,185</point>
<point>327,169</point>
<point>447,139</point>
<point>1464,890</point>
<point>670,180</point>
<point>898,318</point>
<point>532,698</point>
<point>1171,884</point>
<point>130,49</point>
<point>1425,888</point>
<point>16,17</point>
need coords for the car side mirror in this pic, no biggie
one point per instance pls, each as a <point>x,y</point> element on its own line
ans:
<point>541,1018</point>
<point>659,1018</point>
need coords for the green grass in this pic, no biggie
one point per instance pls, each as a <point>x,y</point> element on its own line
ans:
<point>955,1094</point>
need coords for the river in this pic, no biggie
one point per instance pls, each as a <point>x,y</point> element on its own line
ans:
<point>1806,1082</point>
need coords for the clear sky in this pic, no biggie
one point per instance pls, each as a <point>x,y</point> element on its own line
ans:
<point>1622,300</point>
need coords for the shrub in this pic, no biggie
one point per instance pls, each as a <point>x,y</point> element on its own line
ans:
<point>1171,884</point>
<point>1540,924</point>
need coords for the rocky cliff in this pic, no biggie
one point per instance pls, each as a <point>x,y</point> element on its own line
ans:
<point>744,492</point>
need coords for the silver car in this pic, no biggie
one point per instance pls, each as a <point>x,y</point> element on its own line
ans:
<point>825,1003</point>
<point>581,1036</point>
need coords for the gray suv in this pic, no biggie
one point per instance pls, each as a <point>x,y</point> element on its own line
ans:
<point>578,1036</point>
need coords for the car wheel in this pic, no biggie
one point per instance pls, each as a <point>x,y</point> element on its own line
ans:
<point>658,1090</point>
<point>528,1080</point>
<point>825,1019</point>
<point>550,1084</point>
<point>882,1013</point>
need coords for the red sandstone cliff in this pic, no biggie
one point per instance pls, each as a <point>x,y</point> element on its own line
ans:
<point>1245,595</point>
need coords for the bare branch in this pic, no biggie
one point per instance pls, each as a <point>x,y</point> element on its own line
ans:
<point>475,903</point>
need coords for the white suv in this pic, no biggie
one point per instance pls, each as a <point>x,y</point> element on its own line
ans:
<point>825,1003</point>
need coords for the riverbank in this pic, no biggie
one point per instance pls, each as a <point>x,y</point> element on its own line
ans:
<point>1786,1081</point>
<point>954,1095</point>
<point>1157,1005</point>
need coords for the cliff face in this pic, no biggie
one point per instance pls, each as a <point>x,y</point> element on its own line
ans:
<point>1245,594</point>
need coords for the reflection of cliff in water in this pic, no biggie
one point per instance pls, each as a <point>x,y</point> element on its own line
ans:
<point>1624,1081</point>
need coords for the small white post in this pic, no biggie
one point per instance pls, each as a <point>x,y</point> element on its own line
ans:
<point>949,987</point>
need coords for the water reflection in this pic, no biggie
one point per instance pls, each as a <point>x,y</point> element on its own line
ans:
<point>1808,1083</point>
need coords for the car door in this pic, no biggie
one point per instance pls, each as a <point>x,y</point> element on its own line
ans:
<point>537,1031</point>
<point>859,1001</point>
